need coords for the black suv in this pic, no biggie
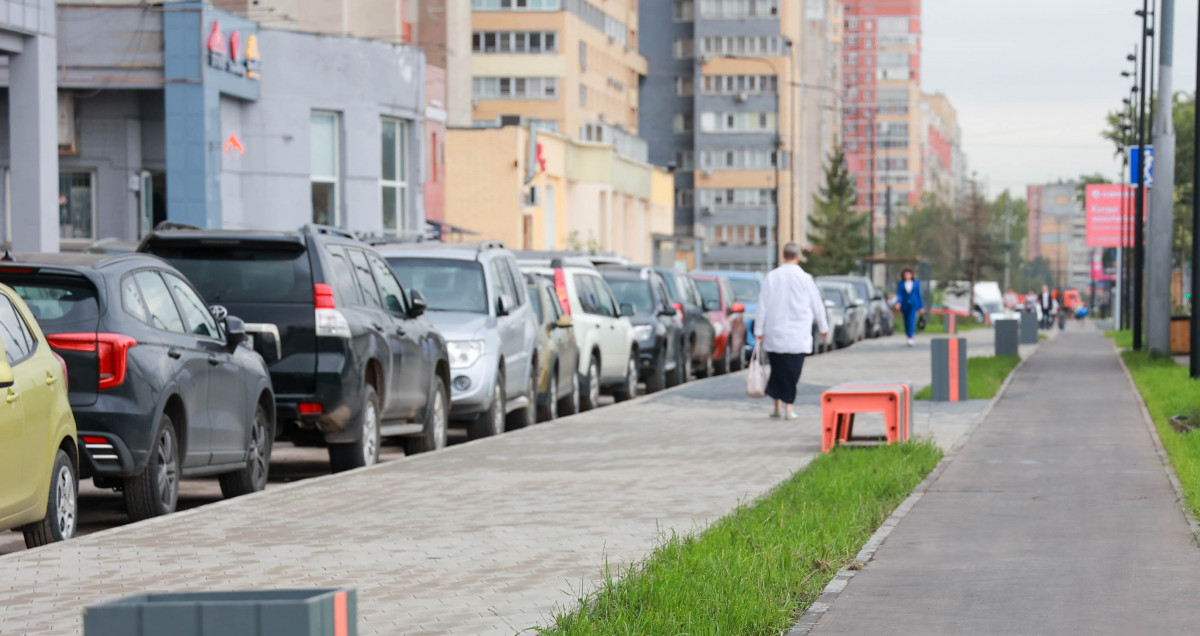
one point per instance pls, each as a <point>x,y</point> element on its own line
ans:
<point>657,325</point>
<point>159,390</point>
<point>350,353</point>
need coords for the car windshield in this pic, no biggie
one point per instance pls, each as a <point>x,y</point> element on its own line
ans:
<point>745,290</point>
<point>634,292</point>
<point>250,275</point>
<point>448,285</point>
<point>860,288</point>
<point>835,295</point>
<point>59,304</point>
<point>710,290</point>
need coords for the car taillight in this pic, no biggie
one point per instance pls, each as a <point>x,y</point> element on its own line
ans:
<point>560,290</point>
<point>110,348</point>
<point>310,408</point>
<point>330,323</point>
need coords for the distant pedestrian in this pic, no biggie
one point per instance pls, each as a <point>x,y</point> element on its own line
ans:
<point>788,305</point>
<point>1048,304</point>
<point>1011,302</point>
<point>908,301</point>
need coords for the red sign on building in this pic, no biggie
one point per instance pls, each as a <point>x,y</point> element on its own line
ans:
<point>1109,207</point>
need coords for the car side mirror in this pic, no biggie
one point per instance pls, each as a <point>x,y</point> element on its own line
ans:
<point>504,305</point>
<point>564,322</point>
<point>235,332</point>
<point>669,311</point>
<point>627,309</point>
<point>712,305</point>
<point>878,296</point>
<point>737,308</point>
<point>418,304</point>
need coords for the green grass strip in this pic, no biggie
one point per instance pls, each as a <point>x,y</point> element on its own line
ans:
<point>756,570</point>
<point>985,376</point>
<point>1123,338</point>
<point>1168,391</point>
<point>935,325</point>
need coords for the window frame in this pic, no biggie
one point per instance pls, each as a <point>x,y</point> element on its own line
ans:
<point>402,181</point>
<point>93,201</point>
<point>211,321</point>
<point>150,314</point>
<point>26,331</point>
<point>335,180</point>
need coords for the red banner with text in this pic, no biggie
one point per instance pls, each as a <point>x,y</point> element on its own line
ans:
<point>1109,207</point>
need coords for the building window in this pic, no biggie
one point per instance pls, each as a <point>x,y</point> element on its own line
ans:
<point>516,5</point>
<point>515,87</point>
<point>736,9</point>
<point>514,42</point>
<point>76,205</point>
<point>742,159</point>
<point>394,175</point>
<point>582,96</point>
<point>685,48</point>
<point>324,160</point>
<point>742,122</point>
<point>684,86</point>
<point>583,56</point>
<point>684,10</point>
<point>736,197</point>
<point>685,198</point>
<point>683,122</point>
<point>685,160</point>
<point>742,45</point>
<point>735,84</point>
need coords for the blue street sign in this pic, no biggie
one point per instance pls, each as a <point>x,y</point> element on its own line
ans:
<point>1134,164</point>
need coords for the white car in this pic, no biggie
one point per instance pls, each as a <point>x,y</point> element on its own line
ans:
<point>608,351</point>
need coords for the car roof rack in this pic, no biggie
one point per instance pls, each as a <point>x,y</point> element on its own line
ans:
<point>317,228</point>
<point>490,245</point>
<point>174,225</point>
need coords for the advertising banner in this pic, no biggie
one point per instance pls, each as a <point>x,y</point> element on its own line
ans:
<point>1108,207</point>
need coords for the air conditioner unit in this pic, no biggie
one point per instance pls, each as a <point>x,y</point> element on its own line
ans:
<point>702,58</point>
<point>742,97</point>
<point>707,173</point>
<point>706,211</point>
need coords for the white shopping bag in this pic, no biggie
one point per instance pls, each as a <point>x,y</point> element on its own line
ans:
<point>756,379</point>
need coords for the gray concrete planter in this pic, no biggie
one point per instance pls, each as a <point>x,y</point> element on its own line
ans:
<point>318,612</point>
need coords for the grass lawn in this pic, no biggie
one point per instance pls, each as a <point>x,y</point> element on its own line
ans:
<point>756,570</point>
<point>1168,391</point>
<point>934,324</point>
<point>1123,338</point>
<point>984,377</point>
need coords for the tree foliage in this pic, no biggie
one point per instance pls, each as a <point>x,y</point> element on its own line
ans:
<point>838,233</point>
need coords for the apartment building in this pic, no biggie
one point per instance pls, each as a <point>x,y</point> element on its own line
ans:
<point>1058,232</point>
<point>944,162</point>
<point>882,77</point>
<point>738,99</point>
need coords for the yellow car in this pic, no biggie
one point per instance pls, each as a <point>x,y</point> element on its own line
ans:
<point>558,355</point>
<point>39,451</point>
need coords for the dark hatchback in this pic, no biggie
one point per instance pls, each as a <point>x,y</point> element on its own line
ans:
<point>698,329</point>
<point>657,326</point>
<point>350,353</point>
<point>159,389</point>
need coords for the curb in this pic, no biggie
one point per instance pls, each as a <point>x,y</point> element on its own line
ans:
<point>823,603</point>
<point>1162,451</point>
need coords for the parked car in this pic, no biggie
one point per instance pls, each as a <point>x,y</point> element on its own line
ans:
<point>746,288</point>
<point>698,331</point>
<point>351,356</point>
<point>159,390</point>
<point>849,314</point>
<point>728,318</point>
<point>558,355</point>
<point>880,320</point>
<point>656,325</point>
<point>39,447</point>
<point>608,353</point>
<point>829,341</point>
<point>478,300</point>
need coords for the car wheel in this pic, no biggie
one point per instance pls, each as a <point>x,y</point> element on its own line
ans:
<point>570,404</point>
<point>364,451</point>
<point>686,376</point>
<point>253,477</point>
<point>491,422</point>
<point>591,387</point>
<point>437,420</point>
<point>737,362</point>
<point>155,491</point>
<point>62,510</point>
<point>549,411</point>
<point>709,368</point>
<point>657,380</point>
<point>722,365</point>
<point>675,378</point>
<point>526,416</point>
<point>628,389</point>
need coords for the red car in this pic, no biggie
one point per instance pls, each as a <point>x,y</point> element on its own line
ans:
<point>729,324</point>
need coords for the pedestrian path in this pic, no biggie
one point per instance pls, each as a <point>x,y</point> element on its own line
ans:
<point>1056,517</point>
<point>483,538</point>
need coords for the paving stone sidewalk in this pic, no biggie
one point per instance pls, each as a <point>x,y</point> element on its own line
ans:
<point>487,537</point>
<point>1056,517</point>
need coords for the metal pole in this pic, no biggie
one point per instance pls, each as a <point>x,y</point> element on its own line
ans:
<point>1194,355</point>
<point>1140,209</point>
<point>871,212</point>
<point>1160,219</point>
<point>1007,240</point>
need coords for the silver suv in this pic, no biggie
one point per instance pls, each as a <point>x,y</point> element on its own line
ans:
<point>477,298</point>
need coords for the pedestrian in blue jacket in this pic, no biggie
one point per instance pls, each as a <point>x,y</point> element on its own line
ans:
<point>908,301</point>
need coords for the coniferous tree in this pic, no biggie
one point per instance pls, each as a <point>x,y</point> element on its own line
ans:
<point>837,232</point>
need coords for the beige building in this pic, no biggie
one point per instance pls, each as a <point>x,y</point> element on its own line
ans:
<point>944,163</point>
<point>552,192</point>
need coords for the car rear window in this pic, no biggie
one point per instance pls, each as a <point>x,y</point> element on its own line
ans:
<point>634,292</point>
<point>745,290</point>
<point>447,285</point>
<point>60,304</point>
<point>672,291</point>
<point>710,290</point>
<point>243,274</point>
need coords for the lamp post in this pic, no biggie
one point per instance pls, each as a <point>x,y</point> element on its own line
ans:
<point>1140,208</point>
<point>1194,355</point>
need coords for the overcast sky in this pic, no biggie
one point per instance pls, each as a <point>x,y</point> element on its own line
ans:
<point>1033,79</point>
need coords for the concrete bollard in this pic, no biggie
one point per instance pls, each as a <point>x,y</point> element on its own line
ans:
<point>1007,337</point>
<point>950,320</point>
<point>949,370</point>
<point>315,612</point>
<point>1029,327</point>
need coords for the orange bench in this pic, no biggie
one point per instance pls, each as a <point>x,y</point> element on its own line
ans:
<point>840,404</point>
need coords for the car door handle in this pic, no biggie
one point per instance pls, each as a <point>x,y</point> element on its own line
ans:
<point>400,331</point>
<point>377,326</point>
<point>49,378</point>
<point>11,397</point>
<point>175,353</point>
<point>214,360</point>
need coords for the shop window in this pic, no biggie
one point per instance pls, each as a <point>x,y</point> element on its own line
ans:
<point>324,161</point>
<point>76,205</point>
<point>394,176</point>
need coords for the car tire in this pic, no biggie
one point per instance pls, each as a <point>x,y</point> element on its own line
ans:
<point>526,416</point>
<point>722,365</point>
<point>570,404</point>
<point>591,387</point>
<point>491,422</point>
<point>436,421</point>
<point>709,369</point>
<point>365,450</point>
<point>253,477</point>
<point>549,411</point>
<point>657,380</point>
<point>676,377</point>
<point>628,389</point>
<point>155,491</point>
<point>62,509</point>
<point>686,375</point>
<point>737,362</point>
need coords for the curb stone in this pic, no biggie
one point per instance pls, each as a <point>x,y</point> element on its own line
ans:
<point>816,611</point>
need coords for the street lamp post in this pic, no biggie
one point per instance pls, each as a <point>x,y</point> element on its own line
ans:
<point>1140,208</point>
<point>1194,355</point>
